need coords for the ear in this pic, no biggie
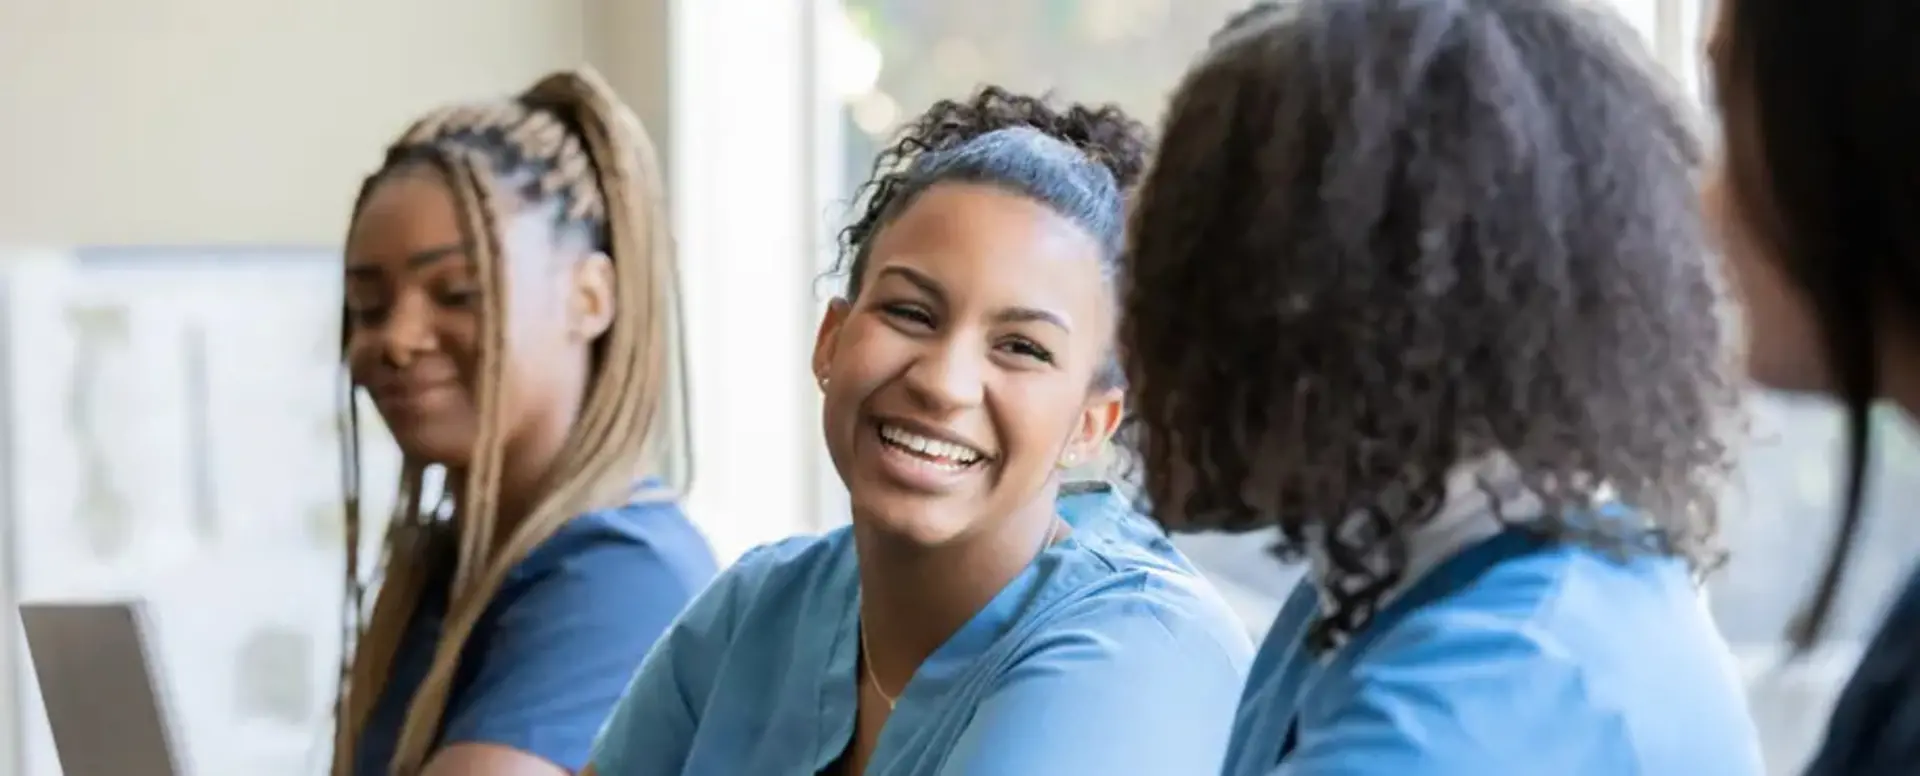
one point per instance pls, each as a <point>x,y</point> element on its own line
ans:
<point>827,340</point>
<point>590,300</point>
<point>1099,419</point>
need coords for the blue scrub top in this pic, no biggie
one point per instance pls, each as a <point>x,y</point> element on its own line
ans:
<point>1107,655</point>
<point>558,643</point>
<point>1875,730</point>
<point>1515,657</point>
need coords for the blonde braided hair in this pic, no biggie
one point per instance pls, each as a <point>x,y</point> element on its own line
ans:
<point>590,153</point>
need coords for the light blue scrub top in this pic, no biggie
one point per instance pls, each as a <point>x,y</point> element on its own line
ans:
<point>1515,657</point>
<point>1108,655</point>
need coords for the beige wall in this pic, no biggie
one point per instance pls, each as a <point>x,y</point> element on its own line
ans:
<point>170,121</point>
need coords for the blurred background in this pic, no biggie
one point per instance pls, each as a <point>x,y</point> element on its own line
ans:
<point>175,177</point>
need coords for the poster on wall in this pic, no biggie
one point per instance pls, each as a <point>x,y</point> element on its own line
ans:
<point>172,428</point>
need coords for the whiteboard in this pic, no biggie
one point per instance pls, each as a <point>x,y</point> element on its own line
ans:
<point>171,433</point>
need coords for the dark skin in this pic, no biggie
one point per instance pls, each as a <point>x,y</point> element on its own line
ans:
<point>982,321</point>
<point>412,300</point>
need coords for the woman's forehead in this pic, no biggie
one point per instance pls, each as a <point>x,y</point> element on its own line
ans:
<point>985,245</point>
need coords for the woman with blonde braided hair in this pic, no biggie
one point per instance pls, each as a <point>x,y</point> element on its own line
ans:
<point>508,289</point>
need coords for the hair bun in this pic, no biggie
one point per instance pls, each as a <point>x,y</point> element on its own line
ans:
<point>1104,132</point>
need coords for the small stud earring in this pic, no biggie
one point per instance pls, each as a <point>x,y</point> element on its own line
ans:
<point>823,383</point>
<point>1066,461</point>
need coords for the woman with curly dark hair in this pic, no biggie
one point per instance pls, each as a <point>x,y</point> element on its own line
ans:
<point>1818,202</point>
<point>962,624</point>
<point>1425,285</point>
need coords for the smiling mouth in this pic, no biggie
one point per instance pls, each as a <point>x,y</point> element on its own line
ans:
<point>935,452</point>
<point>412,398</point>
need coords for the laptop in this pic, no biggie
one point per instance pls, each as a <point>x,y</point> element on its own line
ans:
<point>106,705</point>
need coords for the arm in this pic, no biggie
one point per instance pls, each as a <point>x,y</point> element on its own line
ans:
<point>489,760</point>
<point>653,725</point>
<point>1454,697</point>
<point>1131,689</point>
<point>556,661</point>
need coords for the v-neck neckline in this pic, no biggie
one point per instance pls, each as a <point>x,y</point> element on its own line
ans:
<point>951,665</point>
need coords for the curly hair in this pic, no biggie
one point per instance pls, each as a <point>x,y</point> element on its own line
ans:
<point>1383,240</point>
<point>1080,161</point>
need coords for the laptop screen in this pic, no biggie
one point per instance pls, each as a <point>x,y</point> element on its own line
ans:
<point>105,705</point>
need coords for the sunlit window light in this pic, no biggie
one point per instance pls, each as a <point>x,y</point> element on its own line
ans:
<point>875,113</point>
<point>852,62</point>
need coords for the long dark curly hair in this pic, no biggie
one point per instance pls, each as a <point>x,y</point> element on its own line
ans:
<point>1383,240</point>
<point>1079,160</point>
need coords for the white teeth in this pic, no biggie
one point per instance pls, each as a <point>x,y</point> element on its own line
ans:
<point>946,452</point>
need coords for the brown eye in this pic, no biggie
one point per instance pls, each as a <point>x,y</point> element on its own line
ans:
<point>1026,348</point>
<point>912,315</point>
<point>368,310</point>
<point>457,298</point>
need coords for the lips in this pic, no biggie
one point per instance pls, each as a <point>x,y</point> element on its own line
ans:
<point>924,460</point>
<point>412,397</point>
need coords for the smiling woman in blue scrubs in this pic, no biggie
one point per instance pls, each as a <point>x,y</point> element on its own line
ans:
<point>1425,285</point>
<point>505,299</point>
<point>960,626</point>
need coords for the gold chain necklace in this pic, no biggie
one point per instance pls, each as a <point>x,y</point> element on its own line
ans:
<point>866,655</point>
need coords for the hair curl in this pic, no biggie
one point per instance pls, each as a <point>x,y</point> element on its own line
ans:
<point>1383,240</point>
<point>978,140</point>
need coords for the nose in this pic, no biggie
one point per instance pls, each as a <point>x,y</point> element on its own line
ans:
<point>947,377</point>
<point>408,330</point>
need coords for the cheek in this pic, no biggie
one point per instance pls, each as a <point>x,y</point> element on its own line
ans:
<point>361,356</point>
<point>859,364</point>
<point>867,353</point>
<point>1781,338</point>
<point>459,335</point>
<point>1033,419</point>
<point>1783,347</point>
<point>536,315</point>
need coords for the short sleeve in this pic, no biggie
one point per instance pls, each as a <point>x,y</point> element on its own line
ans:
<point>1454,696</point>
<point>1130,688</point>
<point>652,727</point>
<point>562,651</point>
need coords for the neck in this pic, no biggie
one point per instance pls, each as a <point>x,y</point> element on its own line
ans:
<point>524,465</point>
<point>914,597</point>
<point>1467,516</point>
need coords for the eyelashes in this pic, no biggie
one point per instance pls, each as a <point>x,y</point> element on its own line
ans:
<point>917,318</point>
<point>376,312</point>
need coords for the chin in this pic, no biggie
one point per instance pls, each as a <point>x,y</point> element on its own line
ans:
<point>453,451</point>
<point>908,519</point>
